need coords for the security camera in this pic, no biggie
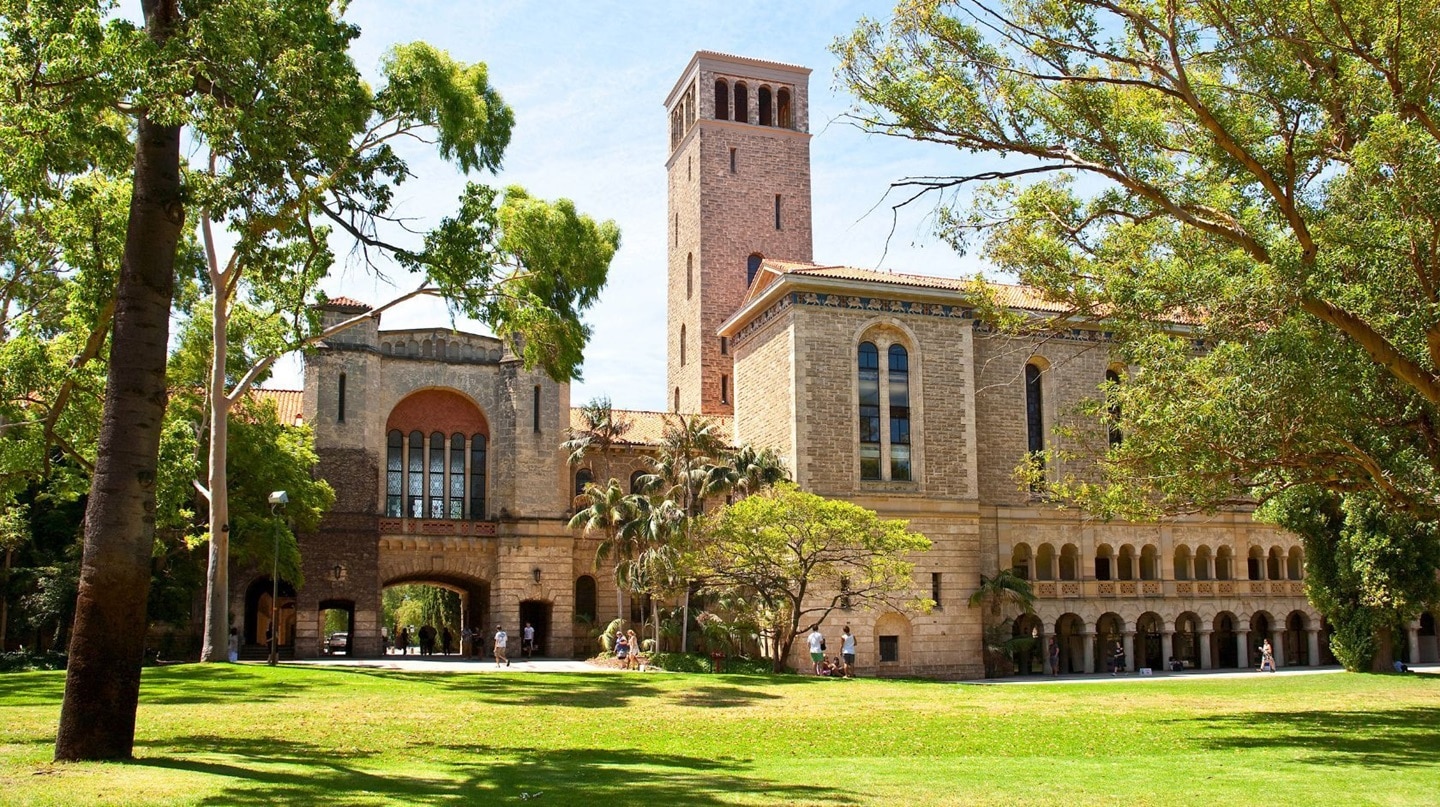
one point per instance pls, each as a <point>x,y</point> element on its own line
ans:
<point>279,497</point>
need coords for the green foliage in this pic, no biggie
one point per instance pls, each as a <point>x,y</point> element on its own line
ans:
<point>415,606</point>
<point>790,558</point>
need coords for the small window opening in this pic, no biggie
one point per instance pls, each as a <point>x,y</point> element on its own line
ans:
<point>689,168</point>
<point>677,229</point>
<point>732,161</point>
<point>722,99</point>
<point>784,117</point>
<point>765,117</point>
<point>742,104</point>
<point>676,406</point>
<point>682,345</point>
<point>340,403</point>
<point>889,648</point>
<point>689,274</point>
<point>535,407</point>
<point>777,211</point>
<point>752,265</point>
<point>724,389</point>
<point>724,346</point>
<point>935,588</point>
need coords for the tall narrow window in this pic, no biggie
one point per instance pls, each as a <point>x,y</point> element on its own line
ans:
<point>742,103</point>
<point>724,388</point>
<point>584,478</point>
<point>764,98</point>
<point>752,267</point>
<point>1113,379</point>
<point>935,588</point>
<point>675,407</point>
<point>868,360</point>
<point>340,400</point>
<point>682,345</point>
<point>416,489</point>
<point>722,99</point>
<point>1034,412</point>
<point>535,414</point>
<point>455,506</point>
<point>724,346</point>
<point>436,489</point>
<point>677,229</point>
<point>899,384</point>
<point>689,274</point>
<point>477,476</point>
<point>785,119</point>
<point>777,211</point>
<point>395,474</point>
<point>732,161</point>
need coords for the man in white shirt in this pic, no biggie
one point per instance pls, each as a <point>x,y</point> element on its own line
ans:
<point>527,640</point>
<point>501,640</point>
<point>816,640</point>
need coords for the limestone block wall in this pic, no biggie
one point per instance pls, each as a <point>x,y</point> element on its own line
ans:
<point>767,381</point>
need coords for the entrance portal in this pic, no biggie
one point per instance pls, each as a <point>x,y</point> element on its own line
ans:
<point>258,610</point>
<point>536,613</point>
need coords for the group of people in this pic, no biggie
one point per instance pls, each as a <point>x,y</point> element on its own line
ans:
<point>424,640</point>
<point>842,666</point>
<point>627,649</point>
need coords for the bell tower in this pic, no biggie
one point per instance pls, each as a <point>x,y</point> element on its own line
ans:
<point>739,192</point>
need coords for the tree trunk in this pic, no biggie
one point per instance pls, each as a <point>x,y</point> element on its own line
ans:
<point>5,600</point>
<point>102,682</point>
<point>217,577</point>
<point>1384,659</point>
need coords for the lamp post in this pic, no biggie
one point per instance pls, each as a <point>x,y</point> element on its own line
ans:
<point>278,499</point>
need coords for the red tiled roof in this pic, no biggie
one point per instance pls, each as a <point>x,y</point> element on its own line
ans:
<point>648,428</point>
<point>288,403</point>
<point>346,302</point>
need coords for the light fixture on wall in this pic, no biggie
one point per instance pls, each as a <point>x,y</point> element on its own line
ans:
<point>536,571</point>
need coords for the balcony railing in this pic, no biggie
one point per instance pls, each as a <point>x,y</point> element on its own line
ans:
<point>437,526</point>
<point>1065,589</point>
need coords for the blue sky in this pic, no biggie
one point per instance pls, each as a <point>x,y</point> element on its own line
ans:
<point>587,82</point>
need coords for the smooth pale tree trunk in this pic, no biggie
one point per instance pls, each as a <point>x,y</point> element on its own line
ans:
<point>102,681</point>
<point>4,601</point>
<point>217,576</point>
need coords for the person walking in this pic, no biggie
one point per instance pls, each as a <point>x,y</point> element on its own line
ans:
<point>847,652</point>
<point>501,640</point>
<point>446,639</point>
<point>1054,656</point>
<point>1117,659</point>
<point>402,642</point>
<point>1267,657</point>
<point>816,641</point>
<point>232,646</point>
<point>634,660</point>
<point>527,640</point>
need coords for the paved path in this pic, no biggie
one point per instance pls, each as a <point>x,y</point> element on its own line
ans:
<point>470,665</point>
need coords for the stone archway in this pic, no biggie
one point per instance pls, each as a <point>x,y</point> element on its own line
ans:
<point>1070,634</point>
<point>257,614</point>
<point>475,614</point>
<point>1149,641</point>
<point>1222,641</point>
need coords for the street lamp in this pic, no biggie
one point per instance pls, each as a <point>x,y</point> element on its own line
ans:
<point>278,499</point>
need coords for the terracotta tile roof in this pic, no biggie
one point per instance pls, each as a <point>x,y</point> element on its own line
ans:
<point>1009,295</point>
<point>648,428</point>
<point>289,403</point>
<point>346,303</point>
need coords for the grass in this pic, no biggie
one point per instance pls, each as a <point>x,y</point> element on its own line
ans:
<point>227,734</point>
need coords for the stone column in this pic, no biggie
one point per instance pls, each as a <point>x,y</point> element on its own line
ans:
<point>1129,638</point>
<point>1044,650</point>
<point>1412,636</point>
<point>1088,641</point>
<point>1167,648</point>
<point>1277,643</point>
<point>1313,636</point>
<point>1242,648</point>
<point>1205,650</point>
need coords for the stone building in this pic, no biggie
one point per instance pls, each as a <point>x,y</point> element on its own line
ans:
<point>880,388</point>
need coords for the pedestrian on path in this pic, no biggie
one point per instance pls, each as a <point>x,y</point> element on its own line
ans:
<point>1054,656</point>
<point>816,641</point>
<point>1267,657</point>
<point>847,652</point>
<point>501,640</point>
<point>527,640</point>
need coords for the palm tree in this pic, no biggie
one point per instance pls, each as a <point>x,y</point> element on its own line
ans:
<point>996,593</point>
<point>608,511</point>
<point>603,428</point>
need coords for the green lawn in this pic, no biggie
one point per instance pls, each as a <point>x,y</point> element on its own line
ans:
<point>228,734</point>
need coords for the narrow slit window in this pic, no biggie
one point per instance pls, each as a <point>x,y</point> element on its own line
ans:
<point>682,345</point>
<point>732,160</point>
<point>724,389</point>
<point>535,413</point>
<point>724,346</point>
<point>777,211</point>
<point>340,400</point>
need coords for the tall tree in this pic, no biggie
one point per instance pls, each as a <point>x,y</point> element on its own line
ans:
<point>603,427</point>
<point>1245,194</point>
<point>795,558</point>
<point>609,511</point>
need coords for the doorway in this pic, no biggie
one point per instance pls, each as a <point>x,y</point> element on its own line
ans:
<point>537,613</point>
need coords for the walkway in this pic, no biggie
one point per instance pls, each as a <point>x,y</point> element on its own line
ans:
<point>1095,678</point>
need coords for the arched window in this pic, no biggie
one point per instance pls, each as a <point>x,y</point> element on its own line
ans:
<point>1203,569</point>
<point>682,345</point>
<point>1255,564</point>
<point>1069,562</point>
<point>583,479</point>
<point>752,266</point>
<point>868,361</point>
<point>742,103</point>
<point>1182,563</point>
<point>722,99</point>
<point>689,274</point>
<point>1045,562</point>
<point>1149,563</point>
<point>395,474</point>
<point>1104,563</point>
<point>1223,571</point>
<point>785,119</point>
<point>1274,564</point>
<point>1126,563</point>
<point>1020,561</point>
<point>416,491</point>
<point>765,113</point>
<point>899,384</point>
<point>1296,564</point>
<point>435,493</point>
<point>635,482</point>
<point>1112,378</point>
<point>585,599</point>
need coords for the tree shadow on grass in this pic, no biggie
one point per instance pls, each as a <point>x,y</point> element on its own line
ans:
<point>314,776</point>
<point>214,683</point>
<point>719,697</point>
<point>1389,738</point>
